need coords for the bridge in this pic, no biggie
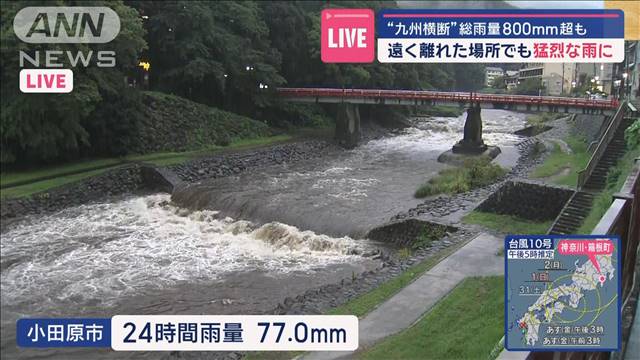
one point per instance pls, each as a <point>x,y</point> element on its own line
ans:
<point>411,97</point>
<point>348,119</point>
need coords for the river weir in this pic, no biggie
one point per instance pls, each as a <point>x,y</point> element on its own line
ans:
<point>234,245</point>
<point>349,192</point>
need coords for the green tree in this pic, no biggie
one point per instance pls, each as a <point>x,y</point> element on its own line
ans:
<point>45,127</point>
<point>498,83</point>
<point>469,77</point>
<point>214,52</point>
<point>532,86</point>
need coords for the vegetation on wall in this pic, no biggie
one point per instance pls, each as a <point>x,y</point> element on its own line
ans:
<point>615,179</point>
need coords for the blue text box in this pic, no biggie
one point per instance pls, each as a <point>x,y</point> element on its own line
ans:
<point>53,332</point>
<point>415,23</point>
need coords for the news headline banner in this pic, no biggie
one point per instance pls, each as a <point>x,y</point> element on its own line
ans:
<point>194,332</point>
<point>500,36</point>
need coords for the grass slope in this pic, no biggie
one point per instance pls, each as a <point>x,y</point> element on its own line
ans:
<point>559,160</point>
<point>507,224</point>
<point>466,324</point>
<point>171,130</point>
<point>363,304</point>
<point>173,123</point>
<point>159,159</point>
<point>8,178</point>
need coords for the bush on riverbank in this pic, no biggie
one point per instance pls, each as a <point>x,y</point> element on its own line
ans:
<point>539,120</point>
<point>429,235</point>
<point>440,110</point>
<point>473,174</point>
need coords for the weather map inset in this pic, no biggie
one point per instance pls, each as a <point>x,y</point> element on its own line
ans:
<point>562,293</point>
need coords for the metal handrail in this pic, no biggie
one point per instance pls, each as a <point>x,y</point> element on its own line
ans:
<point>601,130</point>
<point>584,174</point>
<point>608,220</point>
<point>619,219</point>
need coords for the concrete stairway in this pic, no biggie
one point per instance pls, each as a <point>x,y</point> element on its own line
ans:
<point>579,205</point>
<point>572,215</point>
<point>616,148</point>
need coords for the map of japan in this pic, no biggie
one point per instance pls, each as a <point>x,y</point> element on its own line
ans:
<point>563,295</point>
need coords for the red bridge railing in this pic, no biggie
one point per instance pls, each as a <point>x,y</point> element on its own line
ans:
<point>447,96</point>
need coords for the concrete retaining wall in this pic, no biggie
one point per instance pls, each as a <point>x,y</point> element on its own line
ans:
<point>527,200</point>
<point>405,233</point>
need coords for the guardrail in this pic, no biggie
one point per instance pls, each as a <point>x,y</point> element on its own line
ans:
<point>601,130</point>
<point>584,174</point>
<point>620,219</point>
<point>446,96</point>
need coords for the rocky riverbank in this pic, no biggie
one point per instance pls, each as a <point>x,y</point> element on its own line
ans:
<point>127,180</point>
<point>444,205</point>
<point>320,300</point>
<point>236,163</point>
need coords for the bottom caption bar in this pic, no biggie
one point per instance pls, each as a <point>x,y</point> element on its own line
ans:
<point>195,332</point>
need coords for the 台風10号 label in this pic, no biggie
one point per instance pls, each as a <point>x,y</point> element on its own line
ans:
<point>562,293</point>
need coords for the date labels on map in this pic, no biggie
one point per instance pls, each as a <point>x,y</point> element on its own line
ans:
<point>562,293</point>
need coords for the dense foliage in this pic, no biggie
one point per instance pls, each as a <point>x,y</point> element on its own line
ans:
<point>632,135</point>
<point>225,54</point>
<point>38,127</point>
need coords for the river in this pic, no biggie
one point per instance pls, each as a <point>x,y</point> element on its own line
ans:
<point>237,245</point>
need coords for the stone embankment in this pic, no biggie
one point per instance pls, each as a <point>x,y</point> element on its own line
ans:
<point>129,179</point>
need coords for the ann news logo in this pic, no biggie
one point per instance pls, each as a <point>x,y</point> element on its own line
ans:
<point>62,25</point>
<point>347,36</point>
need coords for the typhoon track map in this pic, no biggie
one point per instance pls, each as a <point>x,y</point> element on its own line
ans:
<point>562,293</point>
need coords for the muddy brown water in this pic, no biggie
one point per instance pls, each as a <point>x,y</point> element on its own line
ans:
<point>238,245</point>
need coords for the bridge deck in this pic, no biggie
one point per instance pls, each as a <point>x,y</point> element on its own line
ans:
<point>410,97</point>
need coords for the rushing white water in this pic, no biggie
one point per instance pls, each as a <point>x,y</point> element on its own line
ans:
<point>350,192</point>
<point>144,255</point>
<point>104,251</point>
